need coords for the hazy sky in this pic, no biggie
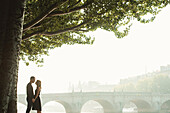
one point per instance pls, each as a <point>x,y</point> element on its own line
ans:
<point>108,60</point>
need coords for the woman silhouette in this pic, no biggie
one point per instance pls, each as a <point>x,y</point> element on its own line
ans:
<point>37,100</point>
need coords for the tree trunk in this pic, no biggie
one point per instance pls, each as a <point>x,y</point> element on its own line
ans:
<point>11,24</point>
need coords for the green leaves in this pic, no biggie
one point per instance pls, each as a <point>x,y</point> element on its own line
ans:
<point>65,20</point>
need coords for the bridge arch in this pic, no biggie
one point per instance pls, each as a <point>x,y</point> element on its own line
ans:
<point>55,106</point>
<point>142,105</point>
<point>108,107</point>
<point>91,106</point>
<point>165,106</point>
<point>129,107</point>
<point>66,105</point>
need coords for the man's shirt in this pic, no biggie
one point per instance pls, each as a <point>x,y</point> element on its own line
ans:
<point>30,93</point>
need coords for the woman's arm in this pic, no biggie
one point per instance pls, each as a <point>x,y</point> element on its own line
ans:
<point>38,91</point>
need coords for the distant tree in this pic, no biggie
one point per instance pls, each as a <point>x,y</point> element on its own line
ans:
<point>130,87</point>
<point>144,85</point>
<point>119,87</point>
<point>161,84</point>
<point>51,23</point>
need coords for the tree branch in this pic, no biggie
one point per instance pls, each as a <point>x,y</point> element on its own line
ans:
<point>65,30</point>
<point>74,4</point>
<point>35,26</point>
<point>41,32</point>
<point>43,15</point>
<point>27,36</point>
<point>83,30</point>
<point>58,13</point>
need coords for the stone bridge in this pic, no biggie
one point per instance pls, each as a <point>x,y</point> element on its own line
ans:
<point>112,102</point>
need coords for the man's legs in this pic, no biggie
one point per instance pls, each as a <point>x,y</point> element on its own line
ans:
<point>29,107</point>
<point>38,111</point>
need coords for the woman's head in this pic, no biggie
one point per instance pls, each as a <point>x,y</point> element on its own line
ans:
<point>38,83</point>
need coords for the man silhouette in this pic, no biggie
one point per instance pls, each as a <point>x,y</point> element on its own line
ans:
<point>30,94</point>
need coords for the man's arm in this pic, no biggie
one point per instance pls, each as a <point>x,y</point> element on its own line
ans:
<point>29,91</point>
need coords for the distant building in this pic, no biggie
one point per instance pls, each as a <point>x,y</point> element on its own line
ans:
<point>164,70</point>
<point>94,86</point>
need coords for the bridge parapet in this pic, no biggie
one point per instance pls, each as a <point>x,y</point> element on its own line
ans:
<point>112,102</point>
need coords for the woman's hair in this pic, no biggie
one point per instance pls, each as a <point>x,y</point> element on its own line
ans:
<point>38,82</point>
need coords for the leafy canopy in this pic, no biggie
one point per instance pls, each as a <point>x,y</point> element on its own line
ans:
<point>51,23</point>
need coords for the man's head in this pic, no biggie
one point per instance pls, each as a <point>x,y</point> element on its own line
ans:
<point>32,79</point>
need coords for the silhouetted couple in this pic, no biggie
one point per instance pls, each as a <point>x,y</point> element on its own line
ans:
<point>34,101</point>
